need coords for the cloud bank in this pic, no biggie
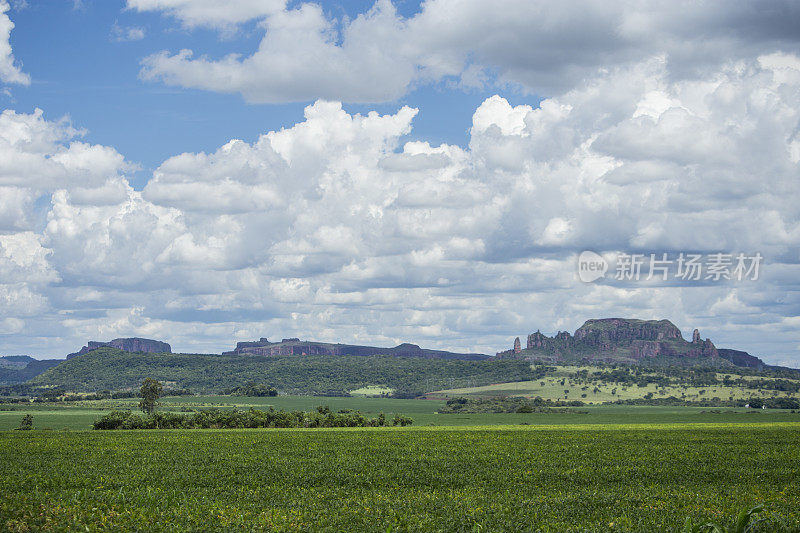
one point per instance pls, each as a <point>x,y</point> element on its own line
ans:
<point>337,229</point>
<point>532,47</point>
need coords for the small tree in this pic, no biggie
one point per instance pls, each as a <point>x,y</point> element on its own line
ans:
<point>151,392</point>
<point>26,423</point>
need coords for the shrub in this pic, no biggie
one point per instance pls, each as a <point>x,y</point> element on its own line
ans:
<point>26,423</point>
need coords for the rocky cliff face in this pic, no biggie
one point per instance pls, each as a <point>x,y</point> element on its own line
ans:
<point>537,340</point>
<point>618,340</point>
<point>608,332</point>
<point>132,344</point>
<point>645,349</point>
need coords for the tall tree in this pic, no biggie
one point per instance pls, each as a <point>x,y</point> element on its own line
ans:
<point>151,392</point>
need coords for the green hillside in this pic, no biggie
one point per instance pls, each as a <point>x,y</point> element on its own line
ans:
<point>112,369</point>
<point>594,385</point>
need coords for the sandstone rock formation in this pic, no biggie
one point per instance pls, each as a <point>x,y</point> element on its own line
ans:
<point>618,340</point>
<point>131,344</point>
<point>517,345</point>
<point>536,340</point>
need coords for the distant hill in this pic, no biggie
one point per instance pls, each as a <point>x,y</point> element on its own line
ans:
<point>628,341</point>
<point>15,361</point>
<point>265,348</point>
<point>20,368</point>
<point>112,369</point>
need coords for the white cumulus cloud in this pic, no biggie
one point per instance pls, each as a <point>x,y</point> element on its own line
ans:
<point>334,228</point>
<point>210,13</point>
<point>10,71</point>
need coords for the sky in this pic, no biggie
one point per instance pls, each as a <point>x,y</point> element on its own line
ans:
<point>203,172</point>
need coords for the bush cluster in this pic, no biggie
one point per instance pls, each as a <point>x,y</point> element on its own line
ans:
<point>504,404</point>
<point>234,419</point>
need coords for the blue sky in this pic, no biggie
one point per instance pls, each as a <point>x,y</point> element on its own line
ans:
<point>382,172</point>
<point>82,69</point>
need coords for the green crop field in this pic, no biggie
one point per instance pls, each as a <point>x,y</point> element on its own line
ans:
<point>615,478</point>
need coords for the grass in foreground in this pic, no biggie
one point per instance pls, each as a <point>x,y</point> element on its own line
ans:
<point>498,479</point>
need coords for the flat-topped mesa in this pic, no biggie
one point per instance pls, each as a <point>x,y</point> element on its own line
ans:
<point>295,346</point>
<point>291,346</point>
<point>606,332</point>
<point>129,344</point>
